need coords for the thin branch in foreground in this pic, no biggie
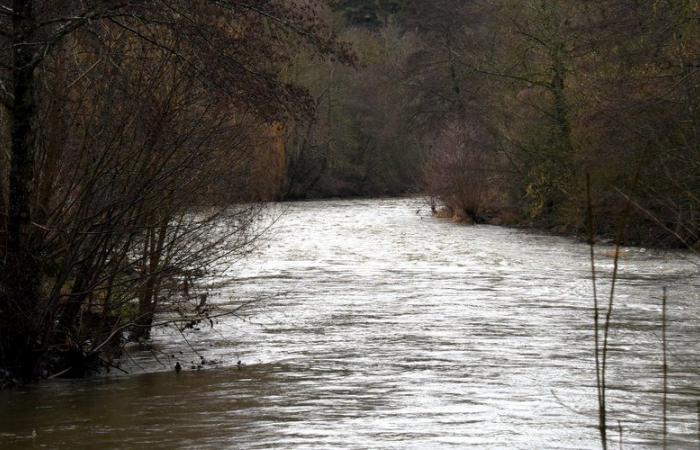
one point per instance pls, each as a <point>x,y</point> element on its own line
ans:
<point>665,368</point>
<point>619,431</point>
<point>600,386</point>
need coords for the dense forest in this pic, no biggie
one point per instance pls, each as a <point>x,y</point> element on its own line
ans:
<point>501,111</point>
<point>141,138</point>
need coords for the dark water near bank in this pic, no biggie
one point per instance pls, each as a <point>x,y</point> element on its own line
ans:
<point>381,327</point>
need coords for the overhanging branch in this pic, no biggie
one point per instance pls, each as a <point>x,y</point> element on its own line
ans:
<point>103,10</point>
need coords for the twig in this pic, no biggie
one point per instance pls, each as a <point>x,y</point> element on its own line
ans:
<point>665,368</point>
<point>600,387</point>
<point>561,402</point>
<point>56,375</point>
<point>619,430</point>
<point>698,409</point>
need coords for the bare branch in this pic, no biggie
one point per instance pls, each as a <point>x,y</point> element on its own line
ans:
<point>6,97</point>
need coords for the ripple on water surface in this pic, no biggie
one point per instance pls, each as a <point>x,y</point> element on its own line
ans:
<point>385,328</point>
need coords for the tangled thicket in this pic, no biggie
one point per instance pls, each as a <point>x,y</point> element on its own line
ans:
<point>138,136</point>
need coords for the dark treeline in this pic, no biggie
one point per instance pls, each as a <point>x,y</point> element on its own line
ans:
<point>359,142</point>
<point>500,109</point>
<point>539,94</point>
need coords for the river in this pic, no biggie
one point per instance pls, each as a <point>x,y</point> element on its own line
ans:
<point>378,326</point>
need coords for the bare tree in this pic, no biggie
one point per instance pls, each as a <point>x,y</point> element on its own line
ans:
<point>133,128</point>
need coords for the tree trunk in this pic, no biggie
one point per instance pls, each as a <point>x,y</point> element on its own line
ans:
<point>148,301</point>
<point>561,107</point>
<point>22,274</point>
<point>22,132</point>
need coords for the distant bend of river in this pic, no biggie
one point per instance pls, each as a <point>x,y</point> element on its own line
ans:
<point>384,328</point>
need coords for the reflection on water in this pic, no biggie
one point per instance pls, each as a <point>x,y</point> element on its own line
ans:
<point>385,328</point>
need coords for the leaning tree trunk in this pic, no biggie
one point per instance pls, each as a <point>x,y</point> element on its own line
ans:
<point>22,272</point>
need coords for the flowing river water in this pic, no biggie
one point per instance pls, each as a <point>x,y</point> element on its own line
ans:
<point>378,326</point>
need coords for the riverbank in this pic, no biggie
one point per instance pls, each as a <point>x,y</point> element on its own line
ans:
<point>638,232</point>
